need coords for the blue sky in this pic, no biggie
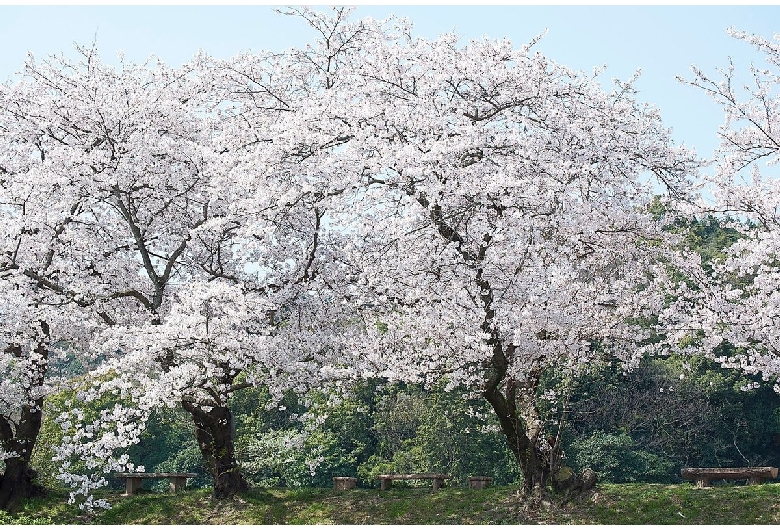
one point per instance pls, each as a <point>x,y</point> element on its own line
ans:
<point>661,40</point>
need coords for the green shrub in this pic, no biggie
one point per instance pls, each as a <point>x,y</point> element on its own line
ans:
<point>617,458</point>
<point>422,430</point>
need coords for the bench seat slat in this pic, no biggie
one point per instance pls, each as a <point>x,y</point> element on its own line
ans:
<point>178,481</point>
<point>415,476</point>
<point>705,475</point>
<point>438,479</point>
<point>728,472</point>
<point>155,475</point>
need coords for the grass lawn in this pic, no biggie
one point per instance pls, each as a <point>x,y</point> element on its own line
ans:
<point>607,504</point>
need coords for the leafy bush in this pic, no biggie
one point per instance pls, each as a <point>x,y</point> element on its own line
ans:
<point>617,458</point>
<point>688,411</point>
<point>422,430</point>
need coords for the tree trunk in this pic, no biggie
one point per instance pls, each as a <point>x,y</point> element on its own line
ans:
<point>540,459</point>
<point>522,442</point>
<point>17,482</point>
<point>524,448</point>
<point>214,433</point>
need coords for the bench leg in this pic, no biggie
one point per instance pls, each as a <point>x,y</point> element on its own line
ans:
<point>437,483</point>
<point>177,484</point>
<point>703,483</point>
<point>132,485</point>
<point>755,481</point>
<point>385,483</point>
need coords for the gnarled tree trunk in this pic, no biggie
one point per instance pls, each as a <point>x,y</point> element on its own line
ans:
<point>539,458</point>
<point>523,444</point>
<point>214,433</point>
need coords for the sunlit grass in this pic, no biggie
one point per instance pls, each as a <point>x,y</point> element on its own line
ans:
<point>608,504</point>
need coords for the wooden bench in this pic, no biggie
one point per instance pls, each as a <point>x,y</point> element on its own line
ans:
<point>344,483</point>
<point>133,480</point>
<point>478,483</point>
<point>438,480</point>
<point>705,475</point>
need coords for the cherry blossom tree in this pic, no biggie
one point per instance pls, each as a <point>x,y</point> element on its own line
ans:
<point>184,177</point>
<point>735,301</point>
<point>498,203</point>
<point>44,322</point>
<point>129,149</point>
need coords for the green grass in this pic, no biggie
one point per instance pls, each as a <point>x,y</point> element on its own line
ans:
<point>607,504</point>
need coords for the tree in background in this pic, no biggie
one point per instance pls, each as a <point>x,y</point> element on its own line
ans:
<point>669,413</point>
<point>418,429</point>
<point>732,304</point>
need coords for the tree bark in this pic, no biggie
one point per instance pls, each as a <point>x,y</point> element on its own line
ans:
<point>540,459</point>
<point>18,480</point>
<point>214,433</point>
<point>524,448</point>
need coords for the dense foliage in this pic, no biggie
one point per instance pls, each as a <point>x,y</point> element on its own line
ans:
<point>641,426</point>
